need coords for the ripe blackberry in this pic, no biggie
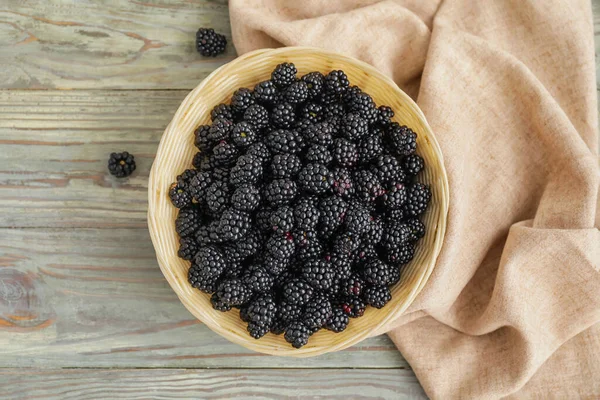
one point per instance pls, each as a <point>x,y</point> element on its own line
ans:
<point>251,244</point>
<point>257,330</point>
<point>342,183</point>
<point>225,153</point>
<point>258,279</point>
<point>233,292</point>
<point>278,327</point>
<point>376,272</point>
<point>243,134</point>
<point>332,211</point>
<point>296,93</point>
<point>200,280</point>
<point>121,165</point>
<point>354,127</point>
<point>338,321</point>
<point>180,197</point>
<point>369,148</point>
<point>396,234</point>
<point>202,162</point>
<point>341,262</point>
<point>395,197</point>
<point>318,154</point>
<point>314,82</point>
<point>217,196</point>
<point>247,170</point>
<point>280,246</point>
<point>320,133</point>
<point>261,219</point>
<point>280,192</point>
<point>315,178</point>
<point>232,254</point>
<point>245,198</point>
<point>187,248</point>
<point>201,138</point>
<point>282,219</point>
<point>417,229</point>
<point>284,75</point>
<point>317,311</point>
<point>393,216</point>
<point>335,110</point>
<point>357,219</point>
<point>214,233</point>
<point>377,296</point>
<point>288,312</point>
<point>203,236</point>
<point>210,261</point>
<point>262,310</point>
<point>198,186</point>
<point>219,130</point>
<point>220,174</point>
<point>353,306</point>
<point>388,170</point>
<point>352,286</point>
<point>221,111</point>
<point>297,292</point>
<point>394,274</point>
<point>403,139</point>
<point>241,100</point>
<point>186,176</point>
<point>348,96</point>
<point>233,224</point>
<point>345,153</point>
<point>363,105</point>
<point>260,151</point>
<point>257,115</point>
<point>306,213</point>
<point>363,255</point>
<point>297,334</point>
<point>374,233</point>
<point>401,255</point>
<point>285,165</point>
<point>385,115</point>
<point>188,221</point>
<point>209,43</point>
<point>419,196</point>
<point>266,93</point>
<point>413,164</point>
<point>336,82</point>
<point>285,141</point>
<point>217,304</point>
<point>308,245</point>
<point>367,186</point>
<point>312,112</point>
<point>346,242</point>
<point>279,269</point>
<point>318,273</point>
<point>283,115</point>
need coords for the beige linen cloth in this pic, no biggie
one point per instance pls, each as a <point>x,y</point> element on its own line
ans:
<point>508,86</point>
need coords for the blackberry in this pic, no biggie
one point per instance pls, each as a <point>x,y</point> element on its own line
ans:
<point>262,217</point>
<point>348,96</point>
<point>260,151</point>
<point>346,242</point>
<point>308,245</point>
<point>353,306</point>
<point>369,148</point>
<point>419,196</point>
<point>367,186</point>
<point>187,222</point>
<point>396,234</point>
<point>219,130</point>
<point>283,115</point>
<point>258,279</point>
<point>280,192</point>
<point>306,213</point>
<point>214,232</point>
<point>413,164</point>
<point>362,255</point>
<point>315,178</point>
<point>341,262</point>
<point>352,286</point>
<point>247,170</point>
<point>321,134</point>
<point>296,93</point>
<point>393,216</point>
<point>377,296</point>
<point>201,280</point>
<point>394,274</point>
<point>338,321</point>
<point>417,229</point>
<point>376,272</point>
<point>297,292</point>
<point>336,82</point>
<point>218,304</point>
<point>277,268</point>
<point>288,312</point>
<point>354,127</point>
<point>280,246</point>
<point>187,176</point>
<point>395,197</point>
<point>317,311</point>
<point>233,292</point>
<point>266,93</point>
<point>282,219</point>
<point>363,105</point>
<point>302,124</point>
<point>262,310</point>
<point>385,115</point>
<point>241,100</point>
<point>201,138</point>
<point>345,153</point>
<point>232,254</point>
<point>374,233</point>
<point>284,75</point>
<point>198,186</point>
<point>357,219</point>
<point>278,327</point>
<point>202,162</point>
<point>209,43</point>
<point>220,174</point>
<point>297,334</point>
<point>225,153</point>
<point>312,112</point>
<point>121,164</point>
<point>245,198</point>
<point>285,165</point>
<point>328,97</point>
<point>285,141</point>
<point>217,196</point>
<point>244,313</point>
<point>403,139</point>
<point>257,116</point>
<point>233,224</point>
<point>210,260</point>
<point>251,243</point>
<point>318,273</point>
<point>314,82</point>
<point>180,197</point>
<point>203,236</point>
<point>257,330</point>
<point>221,111</point>
<point>187,248</point>
<point>335,110</point>
<point>243,134</point>
<point>388,169</point>
<point>402,254</point>
<point>318,154</point>
<point>342,183</point>
<point>332,211</point>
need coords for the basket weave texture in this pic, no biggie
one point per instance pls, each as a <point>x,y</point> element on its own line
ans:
<point>175,154</point>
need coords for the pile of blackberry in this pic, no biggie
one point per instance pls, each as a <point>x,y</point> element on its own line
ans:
<point>303,204</point>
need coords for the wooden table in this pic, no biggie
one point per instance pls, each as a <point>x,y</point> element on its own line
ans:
<point>84,309</point>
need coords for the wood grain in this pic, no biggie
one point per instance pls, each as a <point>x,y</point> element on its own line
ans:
<point>215,384</point>
<point>146,44</point>
<point>96,298</point>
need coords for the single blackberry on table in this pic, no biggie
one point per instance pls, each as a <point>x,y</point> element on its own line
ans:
<point>417,229</point>
<point>317,311</point>
<point>199,185</point>
<point>257,330</point>
<point>318,154</point>
<point>419,196</point>
<point>396,234</point>
<point>280,192</point>
<point>402,138</point>
<point>241,100</point>
<point>202,139</point>
<point>306,213</point>
<point>395,197</point>
<point>377,296</point>
<point>374,232</point>
<point>413,164</point>
<point>296,93</point>
<point>266,93</point>
<point>245,198</point>
<point>282,219</point>
<point>312,112</point>
<point>260,151</point>
<point>388,170</point>
<point>288,312</point>
<point>376,272</point>
<point>369,148</point>
<point>354,127</point>
<point>401,255</point>
<point>385,115</point>
<point>219,130</point>
<point>188,221</point>
<point>320,133</point>
<point>342,183</point>
<point>247,170</point>
<point>336,82</point>
<point>314,82</point>
<point>258,279</point>
<point>243,134</point>
<point>332,211</point>
<point>338,321</point>
<point>234,224</point>
<point>285,141</point>
<point>217,304</point>
<point>315,178</point>
<point>363,105</point>
<point>180,196</point>
<point>280,246</point>
<point>257,116</point>
<point>221,111</point>
<point>284,75</point>
<point>262,310</point>
<point>297,334</point>
<point>297,292</point>
<point>318,273</point>
<point>225,153</point>
<point>217,196</point>
<point>345,153</point>
<point>187,248</point>
<point>233,292</point>
<point>352,286</point>
<point>367,186</point>
<point>353,306</point>
<point>121,164</point>
<point>209,43</point>
<point>283,115</point>
<point>285,165</point>
<point>198,278</point>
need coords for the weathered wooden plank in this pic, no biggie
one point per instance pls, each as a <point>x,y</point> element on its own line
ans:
<point>96,298</point>
<point>115,44</point>
<point>209,384</point>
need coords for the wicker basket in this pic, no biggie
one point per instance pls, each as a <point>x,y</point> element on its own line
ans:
<point>175,154</point>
